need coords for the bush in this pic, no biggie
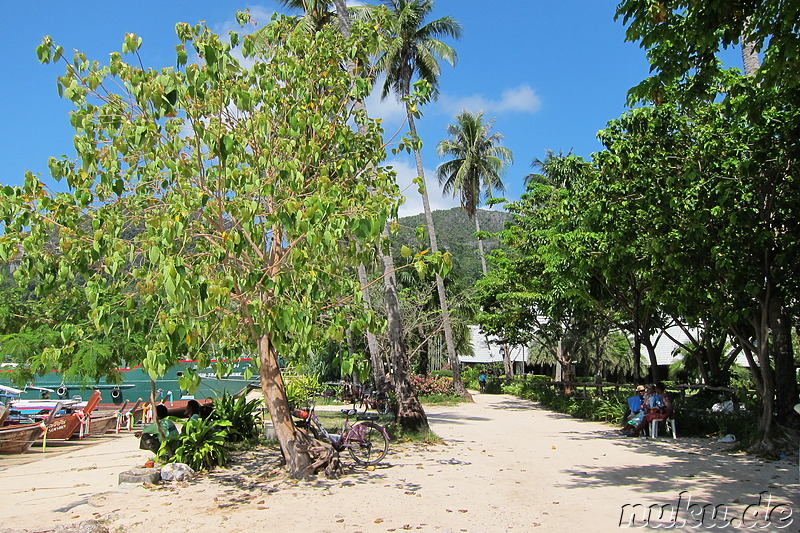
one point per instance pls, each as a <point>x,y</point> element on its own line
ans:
<point>201,445</point>
<point>443,373</point>
<point>430,385</point>
<point>301,388</point>
<point>240,414</point>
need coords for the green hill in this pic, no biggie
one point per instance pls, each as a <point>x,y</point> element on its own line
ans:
<point>455,233</point>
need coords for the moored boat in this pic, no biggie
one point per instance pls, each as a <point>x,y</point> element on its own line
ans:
<point>135,384</point>
<point>19,438</point>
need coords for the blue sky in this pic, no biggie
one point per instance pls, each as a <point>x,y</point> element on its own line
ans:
<point>551,74</point>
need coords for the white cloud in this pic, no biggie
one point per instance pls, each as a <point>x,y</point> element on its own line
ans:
<point>406,172</point>
<point>391,110</point>
<point>522,99</point>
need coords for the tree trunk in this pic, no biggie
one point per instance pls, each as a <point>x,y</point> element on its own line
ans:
<point>410,414</point>
<point>749,54</point>
<point>783,356</point>
<point>480,245</point>
<point>458,384</point>
<point>508,365</point>
<point>293,444</point>
<point>655,372</point>
<point>764,377</point>
<point>424,352</point>
<point>637,357</point>
<point>378,370</point>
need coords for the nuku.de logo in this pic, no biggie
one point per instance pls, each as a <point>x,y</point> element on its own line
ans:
<point>684,514</point>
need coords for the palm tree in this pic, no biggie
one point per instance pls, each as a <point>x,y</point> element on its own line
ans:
<point>318,13</point>
<point>410,413</point>
<point>559,171</point>
<point>477,164</point>
<point>412,51</point>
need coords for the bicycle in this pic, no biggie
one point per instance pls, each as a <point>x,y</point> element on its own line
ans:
<point>366,441</point>
<point>372,400</point>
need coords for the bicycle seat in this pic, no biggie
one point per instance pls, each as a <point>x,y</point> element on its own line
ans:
<point>349,412</point>
<point>367,417</point>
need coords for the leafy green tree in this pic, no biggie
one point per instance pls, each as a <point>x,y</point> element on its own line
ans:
<point>712,198</point>
<point>248,189</point>
<point>410,414</point>
<point>683,37</point>
<point>412,50</point>
<point>477,164</point>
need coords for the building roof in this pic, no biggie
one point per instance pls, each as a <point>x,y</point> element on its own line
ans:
<point>487,350</point>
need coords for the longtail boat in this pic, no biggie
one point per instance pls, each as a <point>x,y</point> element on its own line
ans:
<point>65,426</point>
<point>19,438</point>
<point>102,421</point>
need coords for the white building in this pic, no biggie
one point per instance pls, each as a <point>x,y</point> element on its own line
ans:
<point>486,349</point>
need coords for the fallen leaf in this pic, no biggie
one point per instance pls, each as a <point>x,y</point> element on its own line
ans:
<point>379,520</point>
<point>463,510</point>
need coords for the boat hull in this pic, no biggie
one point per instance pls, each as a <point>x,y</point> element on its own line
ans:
<point>135,385</point>
<point>18,439</point>
<point>101,425</point>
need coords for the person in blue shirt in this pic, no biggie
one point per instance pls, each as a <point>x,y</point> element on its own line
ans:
<point>634,408</point>
<point>482,381</point>
<point>657,406</point>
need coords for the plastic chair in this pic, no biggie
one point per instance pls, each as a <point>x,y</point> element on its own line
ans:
<point>670,426</point>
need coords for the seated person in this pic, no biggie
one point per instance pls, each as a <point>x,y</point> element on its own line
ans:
<point>657,406</point>
<point>192,410</point>
<point>150,437</point>
<point>634,407</point>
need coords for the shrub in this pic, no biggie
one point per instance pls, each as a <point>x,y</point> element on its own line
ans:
<point>240,413</point>
<point>430,385</point>
<point>201,445</point>
<point>443,373</point>
<point>301,388</point>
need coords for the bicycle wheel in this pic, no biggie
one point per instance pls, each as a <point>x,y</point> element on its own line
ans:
<point>384,407</point>
<point>367,443</point>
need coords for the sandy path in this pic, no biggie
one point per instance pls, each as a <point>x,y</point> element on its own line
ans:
<point>505,465</point>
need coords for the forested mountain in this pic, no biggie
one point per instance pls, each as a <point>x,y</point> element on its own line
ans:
<point>456,234</point>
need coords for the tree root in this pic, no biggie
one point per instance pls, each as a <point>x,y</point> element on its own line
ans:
<point>324,456</point>
<point>780,440</point>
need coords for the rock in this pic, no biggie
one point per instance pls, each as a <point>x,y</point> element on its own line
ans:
<point>177,472</point>
<point>140,475</point>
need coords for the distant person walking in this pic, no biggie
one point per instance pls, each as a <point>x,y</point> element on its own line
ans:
<point>482,381</point>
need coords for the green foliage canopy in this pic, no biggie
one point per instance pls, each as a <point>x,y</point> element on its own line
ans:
<point>225,199</point>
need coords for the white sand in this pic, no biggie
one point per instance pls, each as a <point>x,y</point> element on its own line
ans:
<point>505,465</point>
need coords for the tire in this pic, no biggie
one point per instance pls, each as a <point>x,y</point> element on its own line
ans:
<point>383,408</point>
<point>361,405</point>
<point>367,443</point>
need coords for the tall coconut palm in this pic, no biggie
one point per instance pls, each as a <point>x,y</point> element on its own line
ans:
<point>412,51</point>
<point>477,164</point>
<point>559,171</point>
<point>317,15</point>
<point>410,413</point>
